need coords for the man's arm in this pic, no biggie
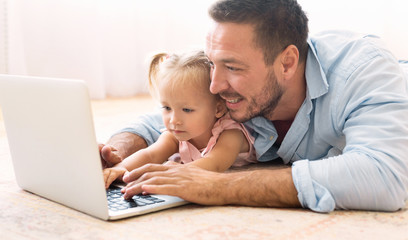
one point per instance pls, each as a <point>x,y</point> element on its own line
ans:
<point>368,169</point>
<point>145,131</point>
<point>119,147</point>
<point>270,187</point>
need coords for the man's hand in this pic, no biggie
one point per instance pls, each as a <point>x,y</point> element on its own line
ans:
<point>189,182</point>
<point>119,147</point>
<point>109,155</point>
<point>261,187</point>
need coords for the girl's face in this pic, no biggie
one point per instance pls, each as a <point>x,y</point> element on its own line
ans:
<point>189,113</point>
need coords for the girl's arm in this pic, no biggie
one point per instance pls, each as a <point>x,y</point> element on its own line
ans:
<point>158,152</point>
<point>229,144</point>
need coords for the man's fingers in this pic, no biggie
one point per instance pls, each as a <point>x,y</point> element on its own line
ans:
<point>171,163</point>
<point>148,168</point>
<point>100,146</point>
<point>164,189</point>
<point>109,154</point>
<point>138,187</point>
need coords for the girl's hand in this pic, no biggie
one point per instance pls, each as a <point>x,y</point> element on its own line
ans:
<point>111,174</point>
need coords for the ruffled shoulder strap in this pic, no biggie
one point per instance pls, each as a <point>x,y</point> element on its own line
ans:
<point>188,152</point>
<point>225,123</point>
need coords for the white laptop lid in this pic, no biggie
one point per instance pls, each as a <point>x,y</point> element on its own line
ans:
<point>52,141</point>
<point>53,146</point>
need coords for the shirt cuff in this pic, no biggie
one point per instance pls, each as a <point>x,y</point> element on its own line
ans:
<point>311,194</point>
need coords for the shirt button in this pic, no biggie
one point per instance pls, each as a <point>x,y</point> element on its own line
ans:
<point>271,138</point>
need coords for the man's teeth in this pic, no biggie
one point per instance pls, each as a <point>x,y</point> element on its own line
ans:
<point>233,100</point>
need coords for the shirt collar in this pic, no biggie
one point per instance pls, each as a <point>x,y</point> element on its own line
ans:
<point>316,86</point>
<point>315,77</point>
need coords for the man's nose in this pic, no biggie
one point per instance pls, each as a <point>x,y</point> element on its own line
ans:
<point>219,81</point>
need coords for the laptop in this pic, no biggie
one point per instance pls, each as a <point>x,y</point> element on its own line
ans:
<point>53,146</point>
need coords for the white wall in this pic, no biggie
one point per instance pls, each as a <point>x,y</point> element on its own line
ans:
<point>3,37</point>
<point>106,42</point>
<point>385,18</point>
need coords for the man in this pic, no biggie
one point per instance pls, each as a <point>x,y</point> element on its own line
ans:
<point>334,108</point>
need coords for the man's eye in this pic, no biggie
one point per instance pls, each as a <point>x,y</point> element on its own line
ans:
<point>187,110</point>
<point>232,68</point>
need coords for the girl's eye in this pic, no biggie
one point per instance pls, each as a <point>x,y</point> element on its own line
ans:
<point>187,110</point>
<point>166,108</point>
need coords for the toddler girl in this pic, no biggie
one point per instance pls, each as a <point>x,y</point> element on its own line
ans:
<point>198,126</point>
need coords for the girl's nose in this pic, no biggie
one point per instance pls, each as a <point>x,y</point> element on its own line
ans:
<point>175,120</point>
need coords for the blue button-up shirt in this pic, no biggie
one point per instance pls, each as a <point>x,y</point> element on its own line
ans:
<point>348,144</point>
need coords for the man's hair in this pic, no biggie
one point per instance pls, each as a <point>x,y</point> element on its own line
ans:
<point>277,23</point>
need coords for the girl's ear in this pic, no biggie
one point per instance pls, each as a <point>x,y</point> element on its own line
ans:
<point>221,109</point>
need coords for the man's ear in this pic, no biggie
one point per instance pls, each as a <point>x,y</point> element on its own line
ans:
<point>221,109</point>
<point>289,60</point>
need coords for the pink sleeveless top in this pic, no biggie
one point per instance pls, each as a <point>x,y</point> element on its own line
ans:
<point>188,152</point>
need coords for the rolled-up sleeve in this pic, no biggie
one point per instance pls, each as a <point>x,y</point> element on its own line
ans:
<point>341,183</point>
<point>147,126</point>
<point>310,193</point>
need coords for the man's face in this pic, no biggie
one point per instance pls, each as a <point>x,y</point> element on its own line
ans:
<point>239,74</point>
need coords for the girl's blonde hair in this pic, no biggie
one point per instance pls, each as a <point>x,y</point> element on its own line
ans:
<point>179,70</point>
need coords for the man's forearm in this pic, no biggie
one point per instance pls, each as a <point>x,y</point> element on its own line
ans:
<point>266,188</point>
<point>126,143</point>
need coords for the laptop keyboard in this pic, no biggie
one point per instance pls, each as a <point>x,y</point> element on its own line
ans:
<point>116,202</point>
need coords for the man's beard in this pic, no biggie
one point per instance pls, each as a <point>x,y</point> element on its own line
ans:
<point>272,92</point>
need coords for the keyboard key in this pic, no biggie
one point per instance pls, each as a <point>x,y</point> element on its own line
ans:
<point>116,201</point>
